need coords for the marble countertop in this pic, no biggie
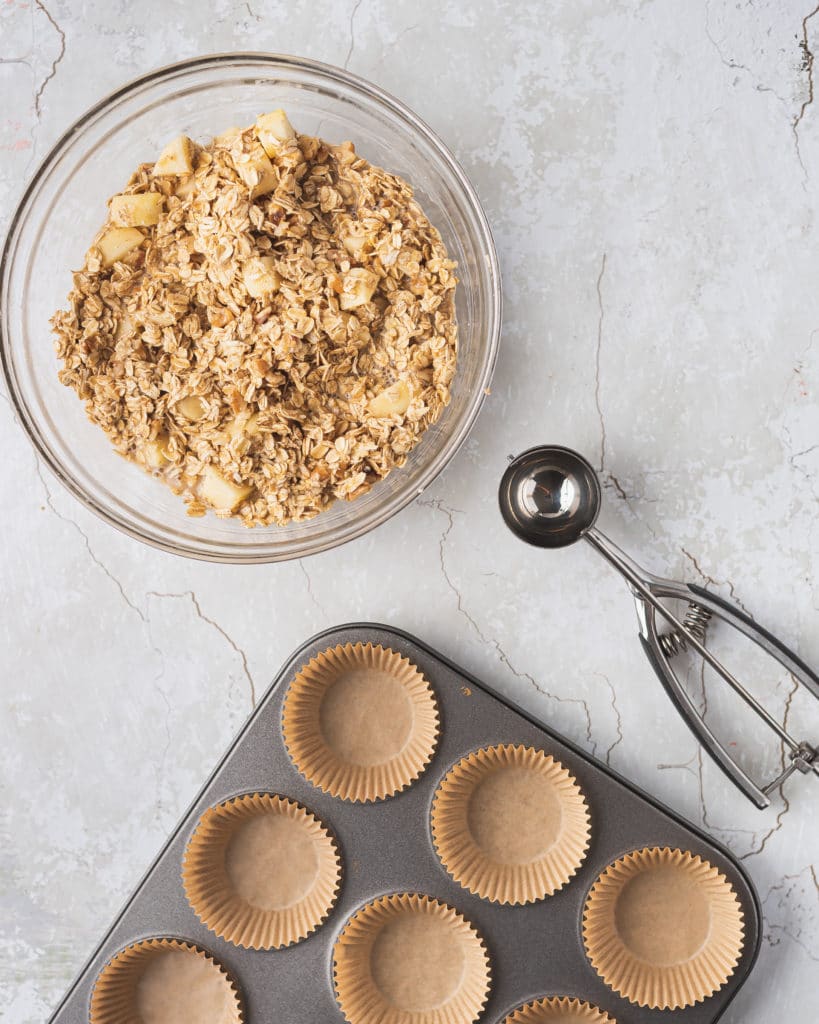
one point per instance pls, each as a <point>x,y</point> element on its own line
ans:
<point>650,170</point>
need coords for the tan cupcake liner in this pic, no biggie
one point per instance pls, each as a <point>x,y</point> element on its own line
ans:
<point>114,997</point>
<point>558,1008</point>
<point>347,775</point>
<point>214,897</point>
<point>494,878</point>
<point>659,986</point>
<point>363,1000</point>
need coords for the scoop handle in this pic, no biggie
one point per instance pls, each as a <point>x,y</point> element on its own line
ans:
<point>772,645</point>
<point>696,723</point>
<point>648,591</point>
<point>802,756</point>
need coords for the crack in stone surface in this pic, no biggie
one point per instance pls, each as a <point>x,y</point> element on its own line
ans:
<point>759,87</point>
<point>787,713</point>
<point>39,94</point>
<point>716,583</point>
<point>682,765</point>
<point>703,807</point>
<point>609,480</point>
<point>450,513</point>
<point>769,833</point>
<point>143,617</point>
<point>786,890</point>
<point>735,65</point>
<point>191,595</point>
<point>807,67</point>
<point>729,62</point>
<point>794,455</point>
<point>773,926</point>
<point>91,554</point>
<point>618,487</point>
<point>353,13</point>
<point>387,50</point>
<point>700,571</point>
<point>805,451</point>
<point>707,823</point>
<point>619,738</point>
<point>310,592</point>
<point>391,46</point>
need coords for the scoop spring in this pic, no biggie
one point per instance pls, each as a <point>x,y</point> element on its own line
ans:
<point>696,622</point>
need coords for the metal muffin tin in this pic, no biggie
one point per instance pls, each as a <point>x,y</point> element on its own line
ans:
<point>386,847</point>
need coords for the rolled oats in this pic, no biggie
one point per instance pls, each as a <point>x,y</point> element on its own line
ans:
<point>276,330</point>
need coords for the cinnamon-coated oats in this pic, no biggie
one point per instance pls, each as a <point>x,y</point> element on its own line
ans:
<point>268,333</point>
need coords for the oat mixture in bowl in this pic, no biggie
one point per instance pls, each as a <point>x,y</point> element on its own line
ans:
<point>266,321</point>
<point>60,216</point>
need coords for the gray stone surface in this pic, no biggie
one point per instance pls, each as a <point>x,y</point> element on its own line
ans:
<point>650,171</point>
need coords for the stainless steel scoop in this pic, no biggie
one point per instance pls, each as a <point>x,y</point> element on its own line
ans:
<point>550,497</point>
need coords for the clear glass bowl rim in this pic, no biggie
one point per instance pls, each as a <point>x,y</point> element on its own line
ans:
<point>396,107</point>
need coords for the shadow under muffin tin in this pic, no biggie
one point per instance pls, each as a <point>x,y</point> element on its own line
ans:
<point>404,861</point>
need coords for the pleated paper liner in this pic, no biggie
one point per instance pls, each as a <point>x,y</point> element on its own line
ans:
<point>558,1010</point>
<point>360,722</point>
<point>510,824</point>
<point>410,959</point>
<point>164,981</point>
<point>663,928</point>
<point>261,871</point>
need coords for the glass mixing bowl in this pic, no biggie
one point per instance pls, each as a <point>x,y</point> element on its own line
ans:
<point>64,206</point>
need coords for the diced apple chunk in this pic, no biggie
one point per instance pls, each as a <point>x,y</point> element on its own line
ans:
<point>185,187</point>
<point>155,452</point>
<point>176,157</point>
<point>244,425</point>
<point>273,130</point>
<point>118,242</point>
<point>354,240</point>
<point>358,287</point>
<point>394,400</point>
<point>221,493</point>
<point>260,276</point>
<point>257,172</point>
<point>139,210</point>
<point>227,137</point>
<point>192,407</point>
